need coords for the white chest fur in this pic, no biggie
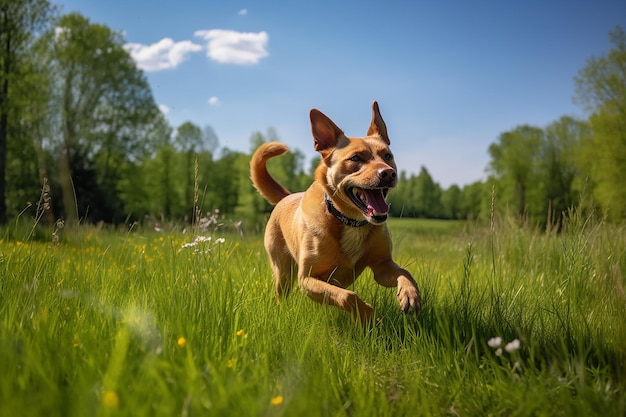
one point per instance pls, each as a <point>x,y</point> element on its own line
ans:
<point>353,242</point>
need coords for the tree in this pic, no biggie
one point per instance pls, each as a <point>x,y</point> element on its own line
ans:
<point>602,81</point>
<point>475,201</point>
<point>104,107</point>
<point>189,141</point>
<point>426,195</point>
<point>398,198</point>
<point>601,88</point>
<point>210,139</point>
<point>513,162</point>
<point>451,202</point>
<point>416,196</point>
<point>145,187</point>
<point>229,173</point>
<point>559,166</point>
<point>20,21</point>
<point>167,194</point>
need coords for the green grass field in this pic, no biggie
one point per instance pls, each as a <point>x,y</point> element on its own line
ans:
<point>145,323</point>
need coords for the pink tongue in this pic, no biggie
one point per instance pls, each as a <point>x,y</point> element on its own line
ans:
<point>376,201</point>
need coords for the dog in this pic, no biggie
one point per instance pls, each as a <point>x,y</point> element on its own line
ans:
<point>336,228</point>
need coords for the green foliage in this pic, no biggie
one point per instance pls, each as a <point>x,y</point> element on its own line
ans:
<point>226,177</point>
<point>451,202</point>
<point>20,20</point>
<point>189,141</point>
<point>103,111</point>
<point>514,159</point>
<point>605,160</point>
<point>474,201</point>
<point>416,196</point>
<point>560,169</point>
<point>537,172</point>
<point>601,86</point>
<point>144,323</point>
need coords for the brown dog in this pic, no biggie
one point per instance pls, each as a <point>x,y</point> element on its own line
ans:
<point>336,228</point>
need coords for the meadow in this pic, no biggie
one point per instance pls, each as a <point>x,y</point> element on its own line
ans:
<point>140,322</point>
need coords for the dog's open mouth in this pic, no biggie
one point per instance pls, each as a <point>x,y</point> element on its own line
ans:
<point>372,202</point>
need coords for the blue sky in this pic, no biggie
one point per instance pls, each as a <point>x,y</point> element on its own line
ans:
<point>449,76</point>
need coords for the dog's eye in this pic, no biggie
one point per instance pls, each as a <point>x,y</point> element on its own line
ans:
<point>388,157</point>
<point>355,158</point>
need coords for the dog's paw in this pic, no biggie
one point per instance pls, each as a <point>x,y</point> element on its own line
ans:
<point>360,310</point>
<point>409,297</point>
<point>364,312</point>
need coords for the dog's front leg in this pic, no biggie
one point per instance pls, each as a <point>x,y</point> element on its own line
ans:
<point>325,293</point>
<point>389,274</point>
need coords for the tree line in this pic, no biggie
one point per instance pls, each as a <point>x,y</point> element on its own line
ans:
<point>536,174</point>
<point>82,139</point>
<point>539,174</point>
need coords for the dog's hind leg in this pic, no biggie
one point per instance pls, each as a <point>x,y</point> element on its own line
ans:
<point>284,270</point>
<point>283,267</point>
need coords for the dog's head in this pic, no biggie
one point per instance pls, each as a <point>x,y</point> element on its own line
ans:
<point>356,172</point>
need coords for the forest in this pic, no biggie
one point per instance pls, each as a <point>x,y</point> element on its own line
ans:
<point>82,140</point>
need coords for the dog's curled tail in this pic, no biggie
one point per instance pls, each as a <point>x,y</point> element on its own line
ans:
<point>262,180</point>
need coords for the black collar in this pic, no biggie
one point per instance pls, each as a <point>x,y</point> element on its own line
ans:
<point>342,217</point>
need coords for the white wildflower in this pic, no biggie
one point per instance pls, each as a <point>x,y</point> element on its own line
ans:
<point>200,239</point>
<point>512,346</point>
<point>201,244</point>
<point>495,342</point>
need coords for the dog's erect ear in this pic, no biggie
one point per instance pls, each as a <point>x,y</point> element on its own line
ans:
<point>377,126</point>
<point>325,132</point>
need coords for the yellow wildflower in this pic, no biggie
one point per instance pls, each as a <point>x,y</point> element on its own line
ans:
<point>110,399</point>
<point>181,342</point>
<point>277,400</point>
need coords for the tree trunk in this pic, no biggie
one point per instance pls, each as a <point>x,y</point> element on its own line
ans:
<point>70,204</point>
<point>67,188</point>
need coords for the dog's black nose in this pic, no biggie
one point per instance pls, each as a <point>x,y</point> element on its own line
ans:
<point>387,174</point>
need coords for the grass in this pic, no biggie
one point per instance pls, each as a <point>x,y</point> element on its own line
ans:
<point>150,323</point>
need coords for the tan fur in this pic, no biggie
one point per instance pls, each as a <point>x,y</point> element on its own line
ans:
<point>302,237</point>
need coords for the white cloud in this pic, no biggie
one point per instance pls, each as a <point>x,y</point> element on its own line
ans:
<point>243,12</point>
<point>164,109</point>
<point>231,47</point>
<point>214,100</point>
<point>164,54</point>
